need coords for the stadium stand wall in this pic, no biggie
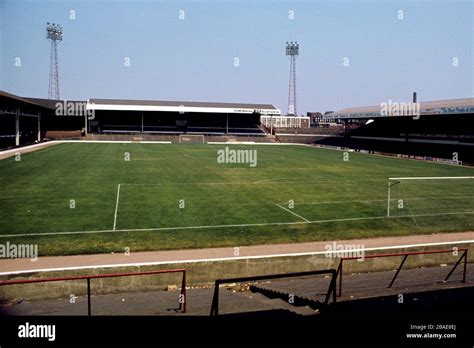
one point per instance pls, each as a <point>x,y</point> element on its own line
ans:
<point>174,138</point>
<point>439,136</point>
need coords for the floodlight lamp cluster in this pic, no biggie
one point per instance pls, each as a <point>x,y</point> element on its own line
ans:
<point>292,48</point>
<point>54,31</point>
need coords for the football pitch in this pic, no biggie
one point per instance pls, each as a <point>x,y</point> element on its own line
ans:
<point>79,198</point>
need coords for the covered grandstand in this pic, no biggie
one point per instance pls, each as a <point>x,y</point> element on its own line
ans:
<point>20,120</point>
<point>26,120</point>
<point>176,117</point>
<point>439,107</point>
<point>442,129</point>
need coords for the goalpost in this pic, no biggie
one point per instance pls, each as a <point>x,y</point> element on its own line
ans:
<point>191,139</point>
<point>431,192</point>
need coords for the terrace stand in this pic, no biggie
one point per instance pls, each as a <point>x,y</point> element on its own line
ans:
<point>218,282</point>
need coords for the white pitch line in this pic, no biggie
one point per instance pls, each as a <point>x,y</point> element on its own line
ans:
<point>116,206</point>
<point>382,200</point>
<point>289,211</point>
<point>232,258</point>
<point>229,226</point>
<point>338,202</point>
<point>215,183</point>
<point>160,229</point>
<point>433,178</point>
<point>227,183</point>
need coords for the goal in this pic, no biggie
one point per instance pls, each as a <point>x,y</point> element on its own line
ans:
<point>191,139</point>
<point>430,195</point>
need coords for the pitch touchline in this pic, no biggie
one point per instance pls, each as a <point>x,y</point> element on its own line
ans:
<point>229,226</point>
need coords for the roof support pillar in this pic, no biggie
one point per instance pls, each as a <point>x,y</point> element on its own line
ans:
<point>39,127</point>
<point>17,127</point>
<point>85,122</point>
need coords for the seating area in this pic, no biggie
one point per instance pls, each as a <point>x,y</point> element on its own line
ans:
<point>124,129</point>
<point>330,130</point>
<point>168,123</point>
<point>174,138</point>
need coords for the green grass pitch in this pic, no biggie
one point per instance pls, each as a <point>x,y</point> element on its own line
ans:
<point>179,196</point>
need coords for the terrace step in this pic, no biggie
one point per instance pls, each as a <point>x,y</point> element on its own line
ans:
<point>298,301</point>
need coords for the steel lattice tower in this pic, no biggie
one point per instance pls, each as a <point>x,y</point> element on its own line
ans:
<point>54,33</point>
<point>292,50</point>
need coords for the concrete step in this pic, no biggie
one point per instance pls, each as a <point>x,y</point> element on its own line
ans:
<point>292,300</point>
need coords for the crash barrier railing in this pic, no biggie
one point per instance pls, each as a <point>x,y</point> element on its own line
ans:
<point>405,256</point>
<point>182,297</point>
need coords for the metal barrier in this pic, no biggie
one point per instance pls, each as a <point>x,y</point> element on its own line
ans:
<point>182,298</point>
<point>218,282</point>
<point>463,256</point>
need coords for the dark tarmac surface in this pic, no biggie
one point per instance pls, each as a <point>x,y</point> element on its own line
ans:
<point>239,299</point>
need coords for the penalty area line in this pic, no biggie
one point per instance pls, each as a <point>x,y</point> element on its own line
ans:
<point>235,225</point>
<point>116,207</point>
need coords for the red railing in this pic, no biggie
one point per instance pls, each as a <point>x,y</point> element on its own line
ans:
<point>406,254</point>
<point>182,299</point>
<point>218,282</point>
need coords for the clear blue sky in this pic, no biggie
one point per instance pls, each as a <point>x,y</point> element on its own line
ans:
<point>193,59</point>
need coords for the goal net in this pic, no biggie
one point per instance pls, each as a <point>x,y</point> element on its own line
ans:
<point>191,139</point>
<point>447,195</point>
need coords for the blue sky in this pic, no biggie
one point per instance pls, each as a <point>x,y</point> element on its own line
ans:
<point>193,58</point>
